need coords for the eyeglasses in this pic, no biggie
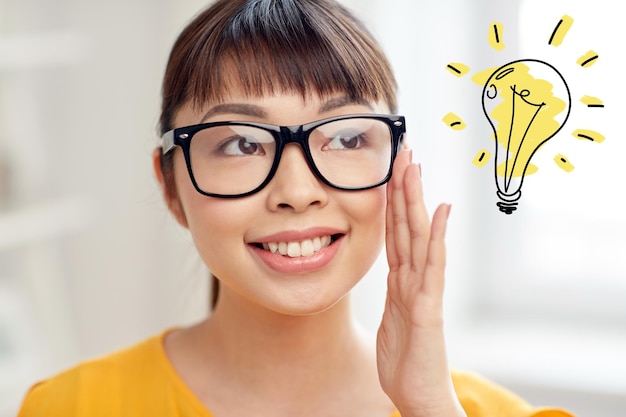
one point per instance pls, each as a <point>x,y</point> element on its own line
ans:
<point>236,159</point>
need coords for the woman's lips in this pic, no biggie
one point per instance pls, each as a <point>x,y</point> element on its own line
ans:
<point>299,255</point>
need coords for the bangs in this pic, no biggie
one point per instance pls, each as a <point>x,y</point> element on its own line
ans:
<point>269,46</point>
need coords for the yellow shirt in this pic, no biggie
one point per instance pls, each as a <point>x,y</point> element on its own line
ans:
<point>140,381</point>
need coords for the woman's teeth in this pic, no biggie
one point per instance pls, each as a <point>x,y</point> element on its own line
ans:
<point>295,249</point>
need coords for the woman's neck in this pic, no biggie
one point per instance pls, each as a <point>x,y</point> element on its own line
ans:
<point>249,354</point>
<point>249,335</point>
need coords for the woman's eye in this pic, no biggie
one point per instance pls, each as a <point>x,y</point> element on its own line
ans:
<point>241,145</point>
<point>347,141</point>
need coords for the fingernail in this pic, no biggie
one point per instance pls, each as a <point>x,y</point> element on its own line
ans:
<point>419,170</point>
<point>448,211</point>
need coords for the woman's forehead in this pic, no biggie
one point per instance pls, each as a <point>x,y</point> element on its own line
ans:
<point>267,106</point>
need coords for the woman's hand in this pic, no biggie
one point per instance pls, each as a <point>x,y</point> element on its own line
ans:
<point>412,361</point>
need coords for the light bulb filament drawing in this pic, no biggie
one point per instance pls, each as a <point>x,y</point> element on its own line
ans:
<point>517,96</point>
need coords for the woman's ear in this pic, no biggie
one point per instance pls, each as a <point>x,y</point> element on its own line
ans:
<point>168,189</point>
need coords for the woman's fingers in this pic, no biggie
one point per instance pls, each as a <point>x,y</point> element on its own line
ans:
<point>436,262</point>
<point>398,210</point>
<point>418,219</point>
<point>402,161</point>
<point>411,348</point>
<point>408,224</point>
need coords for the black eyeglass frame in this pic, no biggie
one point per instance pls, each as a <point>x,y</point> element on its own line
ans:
<point>284,135</point>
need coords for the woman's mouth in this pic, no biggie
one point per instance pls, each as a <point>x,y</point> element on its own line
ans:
<point>302,248</point>
<point>300,255</point>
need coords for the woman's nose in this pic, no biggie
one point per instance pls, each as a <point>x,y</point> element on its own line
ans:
<point>294,185</point>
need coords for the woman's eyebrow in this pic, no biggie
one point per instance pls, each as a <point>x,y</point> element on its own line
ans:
<point>235,108</point>
<point>337,102</point>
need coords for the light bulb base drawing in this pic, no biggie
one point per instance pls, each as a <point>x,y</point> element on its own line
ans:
<point>508,202</point>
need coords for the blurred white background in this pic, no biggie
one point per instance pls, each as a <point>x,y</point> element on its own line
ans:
<point>90,260</point>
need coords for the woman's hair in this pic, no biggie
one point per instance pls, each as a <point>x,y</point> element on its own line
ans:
<point>310,47</point>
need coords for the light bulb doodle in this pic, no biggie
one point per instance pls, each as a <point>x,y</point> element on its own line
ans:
<point>525,110</point>
<point>526,102</point>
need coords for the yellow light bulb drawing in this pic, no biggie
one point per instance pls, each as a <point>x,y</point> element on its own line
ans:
<point>526,102</point>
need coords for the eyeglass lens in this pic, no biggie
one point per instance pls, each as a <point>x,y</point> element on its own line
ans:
<point>236,159</point>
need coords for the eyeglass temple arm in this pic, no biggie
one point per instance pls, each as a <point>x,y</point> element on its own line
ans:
<point>166,141</point>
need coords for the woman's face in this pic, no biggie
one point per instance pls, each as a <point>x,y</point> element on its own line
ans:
<point>332,237</point>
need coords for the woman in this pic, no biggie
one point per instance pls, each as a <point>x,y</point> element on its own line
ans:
<point>281,155</point>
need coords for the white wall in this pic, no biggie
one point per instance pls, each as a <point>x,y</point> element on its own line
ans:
<point>90,259</point>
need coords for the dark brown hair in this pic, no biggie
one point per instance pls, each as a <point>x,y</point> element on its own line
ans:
<point>266,46</point>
